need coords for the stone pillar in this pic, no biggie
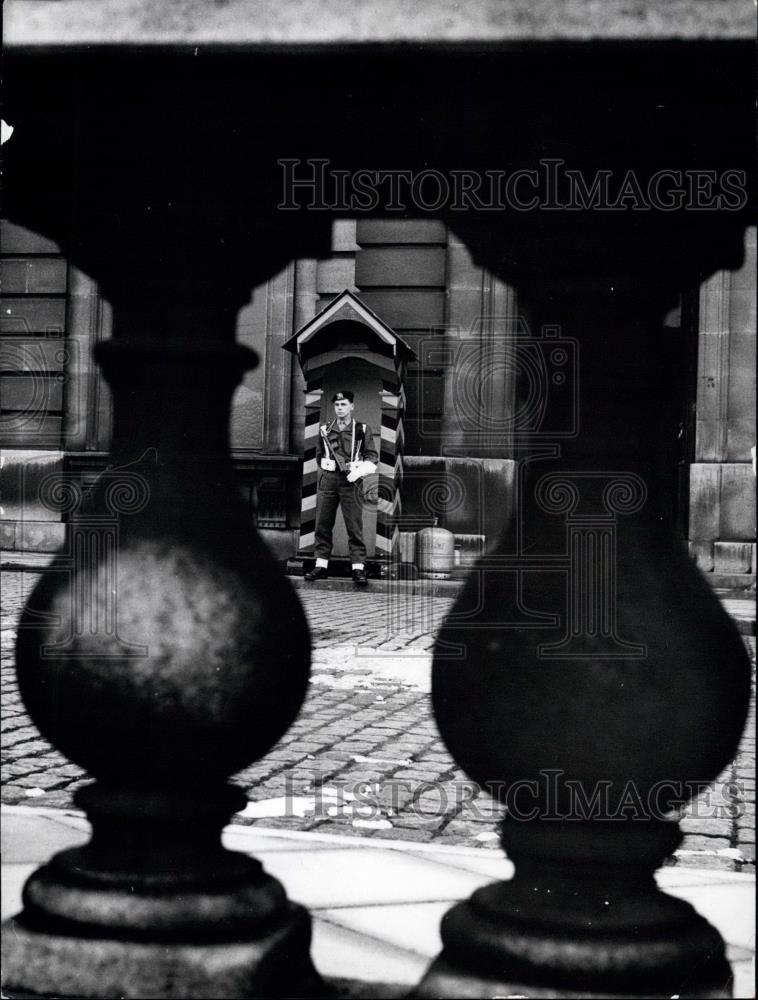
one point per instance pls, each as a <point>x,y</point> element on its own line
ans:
<point>175,661</point>
<point>278,383</point>
<point>722,482</point>
<point>592,751</point>
<point>481,359</point>
<point>86,400</point>
<point>304,311</point>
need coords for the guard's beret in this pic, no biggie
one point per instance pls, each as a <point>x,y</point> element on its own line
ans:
<point>344,394</point>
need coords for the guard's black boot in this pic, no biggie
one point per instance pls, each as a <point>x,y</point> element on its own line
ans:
<point>359,577</point>
<point>317,573</point>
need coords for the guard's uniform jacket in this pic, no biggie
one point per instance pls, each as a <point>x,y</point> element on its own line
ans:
<point>340,447</point>
<point>355,442</point>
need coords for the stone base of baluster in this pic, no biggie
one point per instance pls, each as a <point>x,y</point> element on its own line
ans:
<point>447,979</point>
<point>582,917</point>
<point>155,907</point>
<point>45,964</point>
<point>503,961</point>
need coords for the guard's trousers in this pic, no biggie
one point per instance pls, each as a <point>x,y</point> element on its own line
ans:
<point>335,491</point>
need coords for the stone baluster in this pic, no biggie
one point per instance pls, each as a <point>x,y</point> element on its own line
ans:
<point>595,751</point>
<point>200,666</point>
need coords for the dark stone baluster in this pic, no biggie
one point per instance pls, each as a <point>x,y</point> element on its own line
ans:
<point>591,742</point>
<point>205,669</point>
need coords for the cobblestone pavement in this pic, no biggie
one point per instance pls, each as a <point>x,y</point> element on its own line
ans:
<point>364,757</point>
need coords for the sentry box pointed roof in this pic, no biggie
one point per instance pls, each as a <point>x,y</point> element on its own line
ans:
<point>348,326</point>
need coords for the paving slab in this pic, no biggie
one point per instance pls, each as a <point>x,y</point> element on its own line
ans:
<point>377,904</point>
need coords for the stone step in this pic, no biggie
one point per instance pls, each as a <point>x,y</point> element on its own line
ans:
<point>427,588</point>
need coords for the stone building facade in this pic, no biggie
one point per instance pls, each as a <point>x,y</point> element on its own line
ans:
<point>466,400</point>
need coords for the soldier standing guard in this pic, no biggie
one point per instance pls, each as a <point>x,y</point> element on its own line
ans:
<point>345,454</point>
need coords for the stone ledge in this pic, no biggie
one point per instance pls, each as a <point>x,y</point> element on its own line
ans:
<point>272,23</point>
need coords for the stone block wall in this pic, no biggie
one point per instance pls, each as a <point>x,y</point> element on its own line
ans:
<point>722,477</point>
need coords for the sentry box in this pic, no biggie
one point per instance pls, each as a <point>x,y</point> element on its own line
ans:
<point>349,345</point>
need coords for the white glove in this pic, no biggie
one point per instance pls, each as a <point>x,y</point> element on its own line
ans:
<point>360,469</point>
